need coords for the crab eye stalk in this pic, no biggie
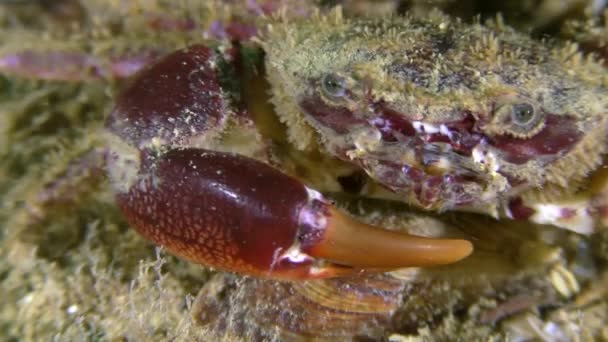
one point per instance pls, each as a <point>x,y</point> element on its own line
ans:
<point>333,86</point>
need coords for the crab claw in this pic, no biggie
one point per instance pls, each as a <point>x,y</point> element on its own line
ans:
<point>226,210</point>
<point>235,213</point>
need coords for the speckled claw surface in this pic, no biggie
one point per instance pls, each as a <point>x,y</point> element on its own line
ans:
<point>230,211</point>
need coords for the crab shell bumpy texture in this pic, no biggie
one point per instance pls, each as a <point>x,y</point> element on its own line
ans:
<point>425,106</point>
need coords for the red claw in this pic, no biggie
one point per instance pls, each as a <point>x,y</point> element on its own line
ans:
<point>236,213</point>
<point>229,211</point>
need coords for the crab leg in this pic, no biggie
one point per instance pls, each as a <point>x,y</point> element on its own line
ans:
<point>226,210</point>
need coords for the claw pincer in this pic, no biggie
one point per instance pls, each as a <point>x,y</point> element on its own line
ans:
<point>229,211</point>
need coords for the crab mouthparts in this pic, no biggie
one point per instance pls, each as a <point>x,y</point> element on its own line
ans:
<point>440,165</point>
<point>453,164</point>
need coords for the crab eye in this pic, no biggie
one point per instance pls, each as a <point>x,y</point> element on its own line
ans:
<point>333,86</point>
<point>522,114</point>
<point>517,117</point>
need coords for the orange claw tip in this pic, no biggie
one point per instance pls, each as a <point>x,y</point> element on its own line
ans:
<point>349,242</point>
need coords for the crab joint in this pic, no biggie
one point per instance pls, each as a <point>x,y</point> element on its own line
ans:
<point>234,213</point>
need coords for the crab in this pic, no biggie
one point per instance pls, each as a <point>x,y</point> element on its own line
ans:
<point>426,124</point>
<point>214,153</point>
<point>395,101</point>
